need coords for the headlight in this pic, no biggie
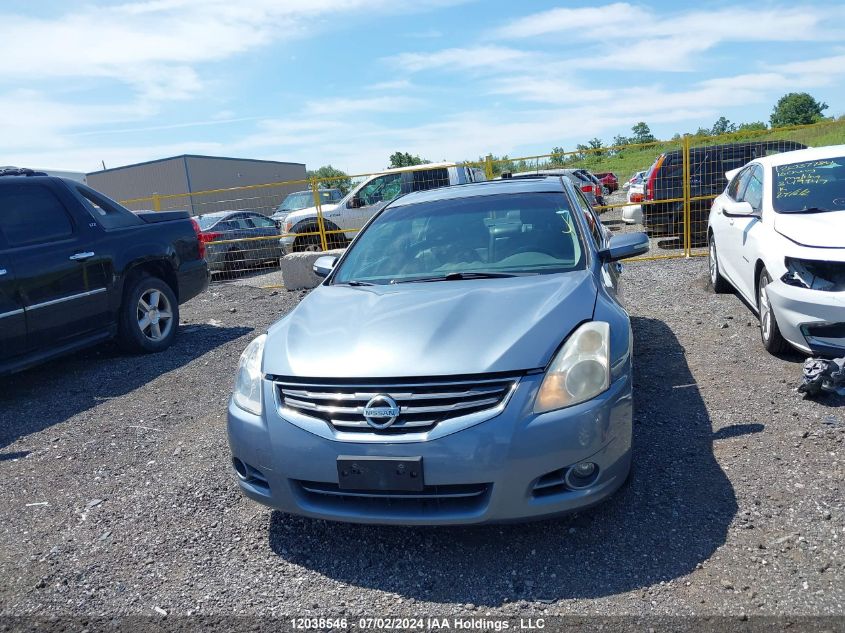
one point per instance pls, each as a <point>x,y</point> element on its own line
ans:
<point>814,274</point>
<point>288,226</point>
<point>580,371</point>
<point>247,393</point>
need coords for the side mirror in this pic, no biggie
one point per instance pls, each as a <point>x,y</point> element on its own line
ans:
<point>625,246</point>
<point>738,208</point>
<point>324,265</point>
<point>354,202</point>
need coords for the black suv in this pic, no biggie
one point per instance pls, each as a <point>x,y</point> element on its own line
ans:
<point>665,181</point>
<point>77,268</point>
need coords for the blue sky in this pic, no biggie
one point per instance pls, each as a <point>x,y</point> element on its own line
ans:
<point>348,82</point>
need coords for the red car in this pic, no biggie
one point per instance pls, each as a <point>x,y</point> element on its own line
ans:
<point>609,180</point>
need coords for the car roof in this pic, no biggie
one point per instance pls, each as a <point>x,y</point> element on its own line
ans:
<point>523,184</point>
<point>217,215</point>
<point>800,155</point>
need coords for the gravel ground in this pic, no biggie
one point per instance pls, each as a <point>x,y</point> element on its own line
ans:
<point>118,495</point>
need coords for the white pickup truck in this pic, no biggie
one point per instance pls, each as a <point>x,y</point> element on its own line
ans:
<point>350,214</point>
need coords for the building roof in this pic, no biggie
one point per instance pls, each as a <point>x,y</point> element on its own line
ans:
<point>185,156</point>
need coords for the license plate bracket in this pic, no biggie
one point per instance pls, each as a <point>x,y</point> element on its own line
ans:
<point>380,473</point>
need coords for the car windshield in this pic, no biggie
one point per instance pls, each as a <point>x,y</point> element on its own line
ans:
<point>301,200</point>
<point>809,186</point>
<point>501,235</point>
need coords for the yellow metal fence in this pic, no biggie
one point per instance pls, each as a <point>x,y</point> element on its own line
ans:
<point>244,228</point>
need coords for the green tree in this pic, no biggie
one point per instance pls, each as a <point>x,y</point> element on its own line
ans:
<point>595,143</point>
<point>796,108</point>
<point>642,133</point>
<point>339,179</point>
<point>582,150</point>
<point>754,125</point>
<point>558,157</point>
<point>722,126</point>
<point>621,140</point>
<point>404,159</point>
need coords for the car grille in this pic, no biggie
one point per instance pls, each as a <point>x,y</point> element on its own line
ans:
<point>422,404</point>
<point>456,500</point>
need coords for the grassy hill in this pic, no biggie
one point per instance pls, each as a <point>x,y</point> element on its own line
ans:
<point>628,161</point>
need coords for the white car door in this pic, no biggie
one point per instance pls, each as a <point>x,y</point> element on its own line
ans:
<point>744,235</point>
<point>724,226</point>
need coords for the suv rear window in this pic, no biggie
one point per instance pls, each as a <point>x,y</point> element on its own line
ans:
<point>32,214</point>
<point>430,179</point>
<point>107,212</point>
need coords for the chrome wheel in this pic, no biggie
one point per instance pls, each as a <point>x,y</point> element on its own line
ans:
<point>155,315</point>
<point>312,248</point>
<point>714,269</point>
<point>765,312</point>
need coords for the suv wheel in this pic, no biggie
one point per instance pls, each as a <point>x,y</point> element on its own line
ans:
<point>773,340</point>
<point>149,316</point>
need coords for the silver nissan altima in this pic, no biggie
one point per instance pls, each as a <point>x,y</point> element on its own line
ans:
<point>466,360</point>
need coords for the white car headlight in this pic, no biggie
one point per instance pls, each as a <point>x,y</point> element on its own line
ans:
<point>247,393</point>
<point>580,371</point>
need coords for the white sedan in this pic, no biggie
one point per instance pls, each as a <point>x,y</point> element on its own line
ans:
<point>777,235</point>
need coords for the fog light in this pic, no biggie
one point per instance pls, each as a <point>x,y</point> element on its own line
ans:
<point>584,469</point>
<point>582,475</point>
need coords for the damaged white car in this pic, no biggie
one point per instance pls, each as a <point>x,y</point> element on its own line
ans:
<point>777,235</point>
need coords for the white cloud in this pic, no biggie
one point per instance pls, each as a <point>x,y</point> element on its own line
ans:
<point>154,45</point>
<point>455,59</point>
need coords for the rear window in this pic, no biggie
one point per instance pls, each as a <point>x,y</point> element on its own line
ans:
<point>32,214</point>
<point>207,221</point>
<point>105,211</point>
<point>817,185</point>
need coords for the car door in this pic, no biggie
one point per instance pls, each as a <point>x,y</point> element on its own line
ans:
<point>724,227</point>
<point>370,199</point>
<point>12,317</point>
<point>265,227</point>
<point>746,234</point>
<point>59,279</point>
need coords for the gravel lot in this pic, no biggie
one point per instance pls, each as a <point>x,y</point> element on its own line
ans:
<point>118,495</point>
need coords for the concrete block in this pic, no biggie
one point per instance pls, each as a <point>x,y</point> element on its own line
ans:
<point>297,269</point>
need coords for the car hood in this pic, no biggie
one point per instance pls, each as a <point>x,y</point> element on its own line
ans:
<point>823,230</point>
<point>429,329</point>
<point>307,212</point>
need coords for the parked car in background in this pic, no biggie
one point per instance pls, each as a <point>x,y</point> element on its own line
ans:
<point>632,213</point>
<point>305,199</point>
<point>485,372</point>
<point>259,235</point>
<point>580,178</point>
<point>365,200</point>
<point>609,180</point>
<point>777,235</point>
<point>708,165</point>
<point>597,190</point>
<point>77,268</point>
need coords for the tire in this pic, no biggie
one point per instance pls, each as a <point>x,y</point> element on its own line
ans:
<point>717,282</point>
<point>148,317</point>
<point>308,244</point>
<point>770,334</point>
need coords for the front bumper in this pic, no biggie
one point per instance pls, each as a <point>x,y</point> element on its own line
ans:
<point>495,464</point>
<point>811,320</point>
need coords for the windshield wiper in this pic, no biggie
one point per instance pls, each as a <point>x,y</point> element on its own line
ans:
<point>811,210</point>
<point>354,282</point>
<point>456,276</point>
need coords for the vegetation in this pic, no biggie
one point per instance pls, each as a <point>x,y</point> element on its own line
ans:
<point>797,108</point>
<point>404,159</point>
<point>339,179</point>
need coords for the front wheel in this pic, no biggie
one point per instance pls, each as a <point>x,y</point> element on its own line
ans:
<point>149,316</point>
<point>773,340</point>
<point>717,282</point>
<point>308,244</point>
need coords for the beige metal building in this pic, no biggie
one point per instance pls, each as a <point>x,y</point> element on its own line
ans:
<point>174,183</point>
